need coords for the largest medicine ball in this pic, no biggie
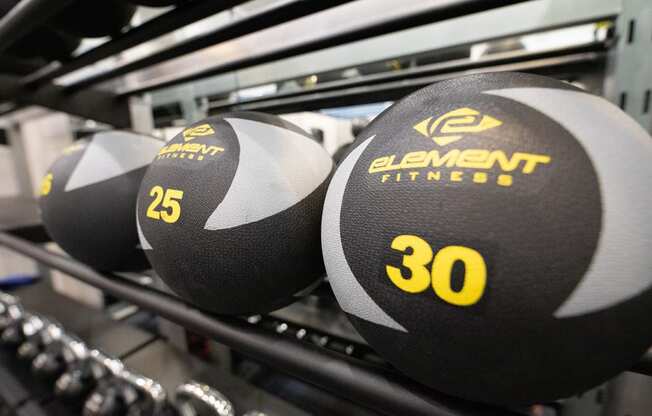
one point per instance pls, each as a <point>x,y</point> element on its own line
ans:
<point>230,210</point>
<point>490,236</point>
<point>88,199</point>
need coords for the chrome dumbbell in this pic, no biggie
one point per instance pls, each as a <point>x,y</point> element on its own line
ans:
<point>126,393</point>
<point>37,333</point>
<point>151,399</point>
<point>11,317</point>
<point>197,399</point>
<point>62,351</point>
<point>87,368</point>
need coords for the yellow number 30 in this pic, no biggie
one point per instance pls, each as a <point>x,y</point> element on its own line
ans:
<point>440,274</point>
<point>167,199</point>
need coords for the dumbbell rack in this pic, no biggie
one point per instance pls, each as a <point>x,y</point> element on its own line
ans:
<point>620,67</point>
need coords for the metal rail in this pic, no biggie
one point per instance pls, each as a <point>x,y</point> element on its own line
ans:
<point>406,81</point>
<point>440,11</point>
<point>278,14</point>
<point>25,16</point>
<point>12,65</point>
<point>311,100</point>
<point>383,391</point>
<point>176,18</point>
<point>103,106</point>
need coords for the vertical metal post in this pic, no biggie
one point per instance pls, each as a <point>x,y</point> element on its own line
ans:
<point>20,160</point>
<point>629,72</point>
<point>142,118</point>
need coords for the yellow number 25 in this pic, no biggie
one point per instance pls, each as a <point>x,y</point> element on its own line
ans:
<point>169,200</point>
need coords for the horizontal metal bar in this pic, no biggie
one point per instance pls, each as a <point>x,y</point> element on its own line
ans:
<point>279,13</point>
<point>394,90</point>
<point>383,391</point>
<point>98,105</point>
<point>25,16</point>
<point>18,66</point>
<point>416,16</point>
<point>489,63</point>
<point>533,16</point>
<point>178,17</point>
<point>33,233</point>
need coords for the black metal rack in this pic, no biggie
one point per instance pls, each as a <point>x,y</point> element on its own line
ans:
<point>80,99</point>
<point>27,15</point>
<point>384,391</point>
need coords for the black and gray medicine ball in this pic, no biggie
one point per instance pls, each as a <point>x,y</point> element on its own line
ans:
<point>490,237</point>
<point>229,213</point>
<point>88,199</point>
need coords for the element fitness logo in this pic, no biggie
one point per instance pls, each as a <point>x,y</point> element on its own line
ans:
<point>452,126</point>
<point>198,131</point>
<point>193,151</point>
<point>453,165</point>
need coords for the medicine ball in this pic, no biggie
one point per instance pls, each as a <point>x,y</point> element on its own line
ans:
<point>88,199</point>
<point>489,236</point>
<point>94,18</point>
<point>230,210</point>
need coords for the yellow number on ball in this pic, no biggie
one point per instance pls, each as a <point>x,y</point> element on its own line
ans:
<point>167,199</point>
<point>419,254</point>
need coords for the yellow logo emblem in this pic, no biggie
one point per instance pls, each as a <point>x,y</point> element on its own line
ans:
<point>452,126</point>
<point>198,131</point>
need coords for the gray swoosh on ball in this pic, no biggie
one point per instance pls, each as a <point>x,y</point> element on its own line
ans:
<point>277,169</point>
<point>621,267</point>
<point>110,154</point>
<point>350,294</point>
<point>144,244</point>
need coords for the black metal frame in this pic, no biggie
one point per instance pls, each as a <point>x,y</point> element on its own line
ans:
<point>393,86</point>
<point>273,16</point>
<point>179,17</point>
<point>78,99</point>
<point>103,106</point>
<point>446,10</point>
<point>384,391</point>
<point>25,16</point>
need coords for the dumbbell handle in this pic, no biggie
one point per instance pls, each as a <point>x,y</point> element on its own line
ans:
<point>213,399</point>
<point>148,387</point>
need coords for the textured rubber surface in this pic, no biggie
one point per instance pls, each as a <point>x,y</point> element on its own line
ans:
<point>90,207</point>
<point>247,237</point>
<point>538,230</point>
